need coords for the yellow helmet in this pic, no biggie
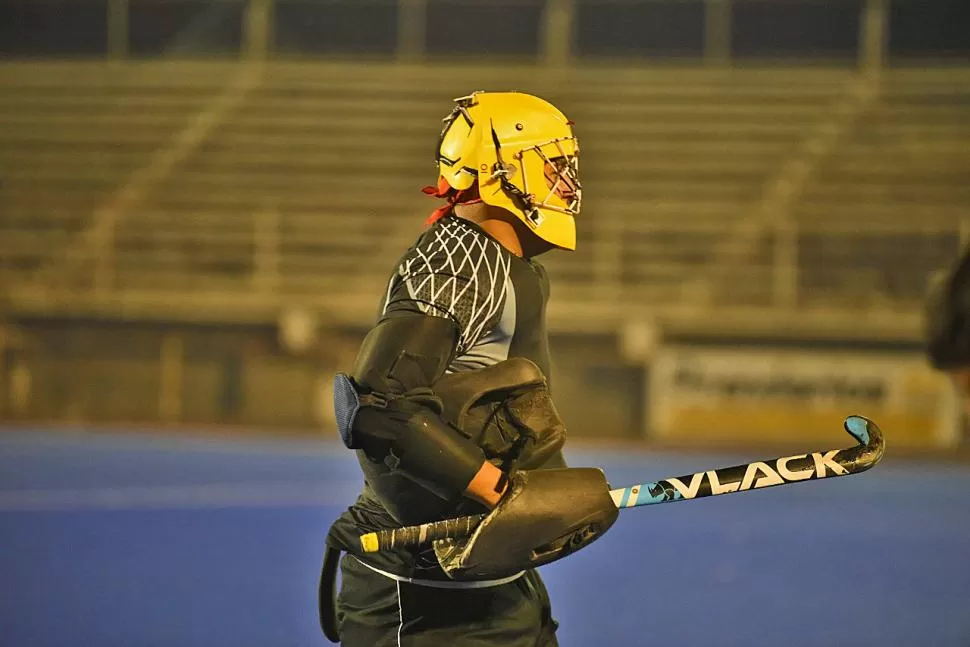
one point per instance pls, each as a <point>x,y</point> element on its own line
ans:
<point>523,154</point>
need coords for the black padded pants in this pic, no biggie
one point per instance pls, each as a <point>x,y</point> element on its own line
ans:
<point>376,611</point>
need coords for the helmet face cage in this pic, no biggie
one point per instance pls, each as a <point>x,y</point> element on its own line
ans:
<point>556,187</point>
<point>562,177</point>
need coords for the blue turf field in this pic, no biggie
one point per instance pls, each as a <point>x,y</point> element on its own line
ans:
<point>143,541</point>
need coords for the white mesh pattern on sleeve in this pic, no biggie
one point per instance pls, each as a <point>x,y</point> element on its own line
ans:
<point>457,272</point>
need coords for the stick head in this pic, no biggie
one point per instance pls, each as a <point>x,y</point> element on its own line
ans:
<point>871,444</point>
<point>859,427</point>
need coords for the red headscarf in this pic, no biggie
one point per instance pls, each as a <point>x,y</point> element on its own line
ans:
<point>453,196</point>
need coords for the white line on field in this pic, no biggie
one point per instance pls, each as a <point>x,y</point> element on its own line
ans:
<point>97,441</point>
<point>210,495</point>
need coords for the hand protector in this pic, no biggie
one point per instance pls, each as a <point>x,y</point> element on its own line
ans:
<point>544,516</point>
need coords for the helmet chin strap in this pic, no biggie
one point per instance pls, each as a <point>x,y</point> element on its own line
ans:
<point>501,170</point>
<point>525,202</point>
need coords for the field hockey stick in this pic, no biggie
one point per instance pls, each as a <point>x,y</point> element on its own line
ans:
<point>726,480</point>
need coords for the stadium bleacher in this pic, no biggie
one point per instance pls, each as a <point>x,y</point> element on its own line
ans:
<point>306,187</point>
<point>892,204</point>
<point>71,135</point>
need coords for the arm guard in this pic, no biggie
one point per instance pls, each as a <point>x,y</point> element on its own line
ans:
<point>387,409</point>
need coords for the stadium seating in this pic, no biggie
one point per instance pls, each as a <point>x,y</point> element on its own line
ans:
<point>674,161</point>
<point>330,159</point>
<point>71,136</point>
<point>892,204</point>
<point>305,187</point>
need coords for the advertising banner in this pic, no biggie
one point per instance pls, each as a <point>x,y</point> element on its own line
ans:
<point>766,395</point>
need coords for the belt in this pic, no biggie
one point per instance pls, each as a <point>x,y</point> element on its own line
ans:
<point>445,584</point>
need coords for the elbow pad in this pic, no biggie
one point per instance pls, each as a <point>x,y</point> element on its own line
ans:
<point>387,410</point>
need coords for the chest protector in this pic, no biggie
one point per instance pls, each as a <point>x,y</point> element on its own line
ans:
<point>506,409</point>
